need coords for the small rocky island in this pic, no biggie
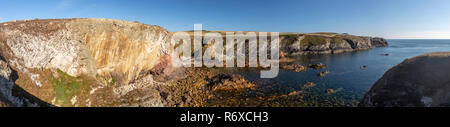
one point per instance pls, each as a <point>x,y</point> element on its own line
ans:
<point>105,62</point>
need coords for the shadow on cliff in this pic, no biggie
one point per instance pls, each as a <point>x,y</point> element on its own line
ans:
<point>19,92</point>
<point>2,58</point>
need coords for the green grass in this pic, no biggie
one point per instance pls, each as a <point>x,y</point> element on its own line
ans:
<point>326,33</point>
<point>293,37</point>
<point>311,40</point>
<point>66,87</point>
<point>337,40</point>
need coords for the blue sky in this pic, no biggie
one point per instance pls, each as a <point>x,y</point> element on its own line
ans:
<point>385,18</point>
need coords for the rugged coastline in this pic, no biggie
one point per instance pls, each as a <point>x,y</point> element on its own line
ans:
<point>327,43</point>
<point>104,62</point>
<point>293,44</point>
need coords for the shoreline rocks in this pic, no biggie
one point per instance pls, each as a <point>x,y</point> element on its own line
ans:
<point>230,83</point>
<point>308,85</point>
<point>296,68</point>
<point>293,93</point>
<point>322,74</point>
<point>330,91</point>
<point>317,66</point>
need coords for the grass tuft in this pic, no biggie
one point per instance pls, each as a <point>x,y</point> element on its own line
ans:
<point>67,87</point>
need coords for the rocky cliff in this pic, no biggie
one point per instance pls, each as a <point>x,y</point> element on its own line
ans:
<point>422,81</point>
<point>292,44</point>
<point>78,62</point>
<point>327,43</point>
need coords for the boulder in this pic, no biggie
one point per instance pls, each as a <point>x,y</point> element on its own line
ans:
<point>293,93</point>
<point>296,68</point>
<point>330,91</point>
<point>230,83</point>
<point>322,74</point>
<point>309,85</point>
<point>379,42</point>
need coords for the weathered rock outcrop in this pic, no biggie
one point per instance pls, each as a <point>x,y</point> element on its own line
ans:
<point>379,42</point>
<point>109,48</point>
<point>421,81</point>
<point>82,62</point>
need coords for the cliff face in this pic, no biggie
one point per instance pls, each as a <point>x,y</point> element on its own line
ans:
<point>327,43</point>
<point>292,44</point>
<point>121,49</point>
<point>421,81</point>
<point>79,62</point>
<point>110,48</point>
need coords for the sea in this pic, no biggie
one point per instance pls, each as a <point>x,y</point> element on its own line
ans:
<point>351,74</point>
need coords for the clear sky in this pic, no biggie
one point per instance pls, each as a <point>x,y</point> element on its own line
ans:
<point>385,18</point>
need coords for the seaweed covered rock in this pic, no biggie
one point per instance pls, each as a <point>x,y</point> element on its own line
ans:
<point>230,83</point>
<point>296,68</point>
<point>324,73</point>
<point>318,66</point>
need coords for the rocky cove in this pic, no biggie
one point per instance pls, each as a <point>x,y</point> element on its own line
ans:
<point>105,62</point>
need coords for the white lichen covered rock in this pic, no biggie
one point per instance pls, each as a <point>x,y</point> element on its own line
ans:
<point>105,47</point>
